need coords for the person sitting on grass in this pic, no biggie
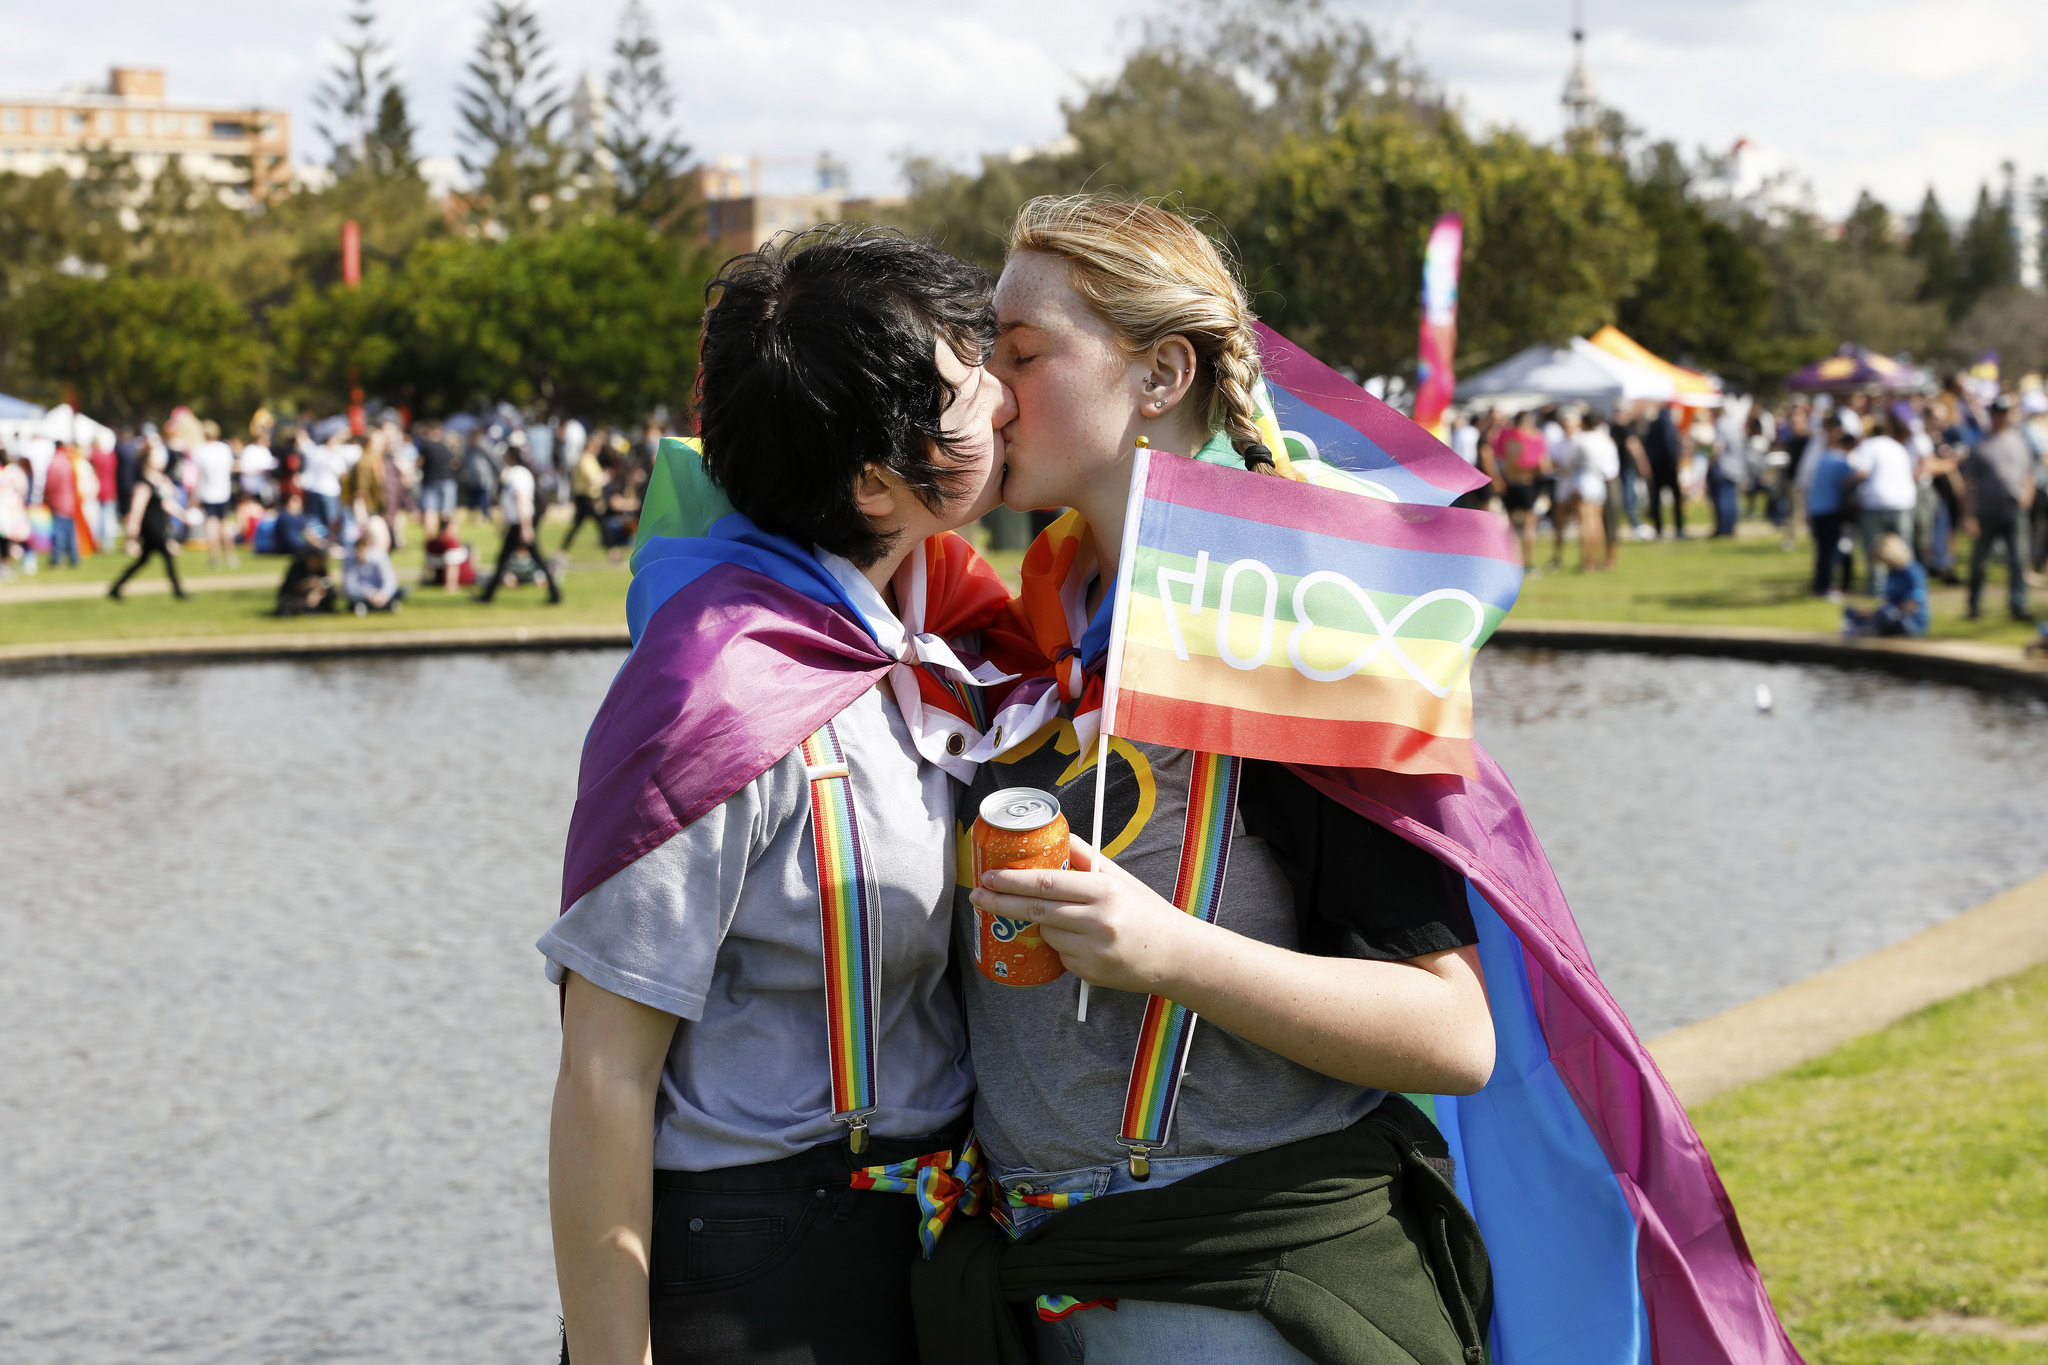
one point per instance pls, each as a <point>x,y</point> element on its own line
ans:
<point>1904,609</point>
<point>306,587</point>
<point>448,560</point>
<point>288,533</point>
<point>370,580</point>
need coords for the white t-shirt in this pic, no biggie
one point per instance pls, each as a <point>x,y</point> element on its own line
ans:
<point>1465,440</point>
<point>321,474</point>
<point>216,463</point>
<point>1887,470</point>
<point>256,463</point>
<point>1596,459</point>
<point>515,494</point>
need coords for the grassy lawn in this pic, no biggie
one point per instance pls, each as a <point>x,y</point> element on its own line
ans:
<point>1748,581</point>
<point>1895,1192</point>
<point>594,593</point>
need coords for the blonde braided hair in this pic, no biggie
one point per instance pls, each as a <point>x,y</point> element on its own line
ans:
<point>1150,274</point>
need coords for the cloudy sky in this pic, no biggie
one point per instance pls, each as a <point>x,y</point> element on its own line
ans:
<point>1907,93</point>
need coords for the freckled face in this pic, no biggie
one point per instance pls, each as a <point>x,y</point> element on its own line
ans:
<point>981,408</point>
<point>1077,393</point>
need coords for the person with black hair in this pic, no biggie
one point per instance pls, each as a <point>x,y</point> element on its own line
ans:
<point>149,524</point>
<point>715,1196</point>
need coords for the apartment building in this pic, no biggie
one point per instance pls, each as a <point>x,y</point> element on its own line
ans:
<point>245,152</point>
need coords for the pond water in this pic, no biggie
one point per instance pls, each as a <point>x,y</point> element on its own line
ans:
<point>279,1050</point>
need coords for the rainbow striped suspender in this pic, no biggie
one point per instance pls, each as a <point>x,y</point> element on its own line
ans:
<point>1163,1040</point>
<point>847,918</point>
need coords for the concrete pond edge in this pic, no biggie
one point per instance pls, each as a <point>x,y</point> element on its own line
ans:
<point>1756,1039</point>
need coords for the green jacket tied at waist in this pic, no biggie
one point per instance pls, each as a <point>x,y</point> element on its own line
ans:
<point>1353,1244</point>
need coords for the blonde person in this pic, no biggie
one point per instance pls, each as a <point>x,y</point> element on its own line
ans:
<point>1340,965</point>
<point>214,460</point>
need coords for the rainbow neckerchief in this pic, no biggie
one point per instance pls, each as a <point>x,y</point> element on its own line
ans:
<point>846,922</point>
<point>1169,1028</point>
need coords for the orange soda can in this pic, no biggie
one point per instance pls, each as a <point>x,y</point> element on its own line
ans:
<point>1018,827</point>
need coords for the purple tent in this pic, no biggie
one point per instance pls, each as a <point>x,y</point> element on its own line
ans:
<point>1854,369</point>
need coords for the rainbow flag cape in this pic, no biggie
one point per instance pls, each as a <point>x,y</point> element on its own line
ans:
<point>1336,434</point>
<point>1284,621</point>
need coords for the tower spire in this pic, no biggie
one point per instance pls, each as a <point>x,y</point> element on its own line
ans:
<point>1581,101</point>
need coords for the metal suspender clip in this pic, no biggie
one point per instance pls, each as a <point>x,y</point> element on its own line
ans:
<point>856,1129</point>
<point>1140,1161</point>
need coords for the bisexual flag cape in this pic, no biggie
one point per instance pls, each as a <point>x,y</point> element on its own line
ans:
<point>1612,1239</point>
<point>744,643</point>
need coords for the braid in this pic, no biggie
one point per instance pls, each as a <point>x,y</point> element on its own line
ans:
<point>1231,407</point>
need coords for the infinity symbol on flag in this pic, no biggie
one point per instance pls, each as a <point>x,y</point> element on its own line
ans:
<point>1387,631</point>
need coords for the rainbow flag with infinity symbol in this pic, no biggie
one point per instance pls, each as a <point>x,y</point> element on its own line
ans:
<point>1280,620</point>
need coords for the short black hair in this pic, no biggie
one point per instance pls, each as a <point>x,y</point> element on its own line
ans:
<point>818,360</point>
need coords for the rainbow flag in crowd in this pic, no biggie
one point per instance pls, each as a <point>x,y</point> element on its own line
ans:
<point>1279,620</point>
<point>1337,434</point>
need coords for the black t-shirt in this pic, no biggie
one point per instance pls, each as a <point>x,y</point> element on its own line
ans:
<point>437,461</point>
<point>1360,890</point>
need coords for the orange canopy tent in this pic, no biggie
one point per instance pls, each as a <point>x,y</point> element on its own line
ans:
<point>1695,390</point>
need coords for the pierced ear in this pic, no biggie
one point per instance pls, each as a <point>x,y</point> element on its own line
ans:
<point>1169,374</point>
<point>874,491</point>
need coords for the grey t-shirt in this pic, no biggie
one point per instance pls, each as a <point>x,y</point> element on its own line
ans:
<point>719,927</point>
<point>1052,1090</point>
<point>1997,470</point>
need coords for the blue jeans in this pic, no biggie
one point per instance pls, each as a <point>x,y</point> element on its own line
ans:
<point>1139,1331</point>
<point>1727,505</point>
<point>63,540</point>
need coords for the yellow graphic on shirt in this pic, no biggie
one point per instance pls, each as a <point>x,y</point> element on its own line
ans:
<point>1053,758</point>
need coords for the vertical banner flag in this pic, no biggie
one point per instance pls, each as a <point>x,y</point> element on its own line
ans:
<point>1434,380</point>
<point>1284,621</point>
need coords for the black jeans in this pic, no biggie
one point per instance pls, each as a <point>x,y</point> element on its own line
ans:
<point>785,1263</point>
<point>1827,552</point>
<point>151,545</point>
<point>1663,477</point>
<point>2010,530</point>
<point>516,540</point>
<point>586,510</point>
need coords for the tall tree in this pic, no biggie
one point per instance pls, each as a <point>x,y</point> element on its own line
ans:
<point>354,90</point>
<point>1934,247</point>
<point>1986,260</point>
<point>646,157</point>
<point>1709,296</point>
<point>388,149</point>
<point>508,110</point>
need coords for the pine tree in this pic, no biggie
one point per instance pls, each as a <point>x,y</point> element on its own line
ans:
<point>1868,229</point>
<point>354,89</point>
<point>2037,193</point>
<point>508,111</point>
<point>1935,249</point>
<point>1987,260</point>
<point>389,148</point>
<point>646,158</point>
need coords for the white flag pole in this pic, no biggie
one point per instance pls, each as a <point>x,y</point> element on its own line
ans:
<point>1119,618</point>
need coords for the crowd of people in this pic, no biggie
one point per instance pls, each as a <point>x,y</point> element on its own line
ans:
<point>327,498</point>
<point>1881,486</point>
<point>1889,481</point>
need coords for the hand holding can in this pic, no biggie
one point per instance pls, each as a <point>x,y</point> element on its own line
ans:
<point>1017,827</point>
